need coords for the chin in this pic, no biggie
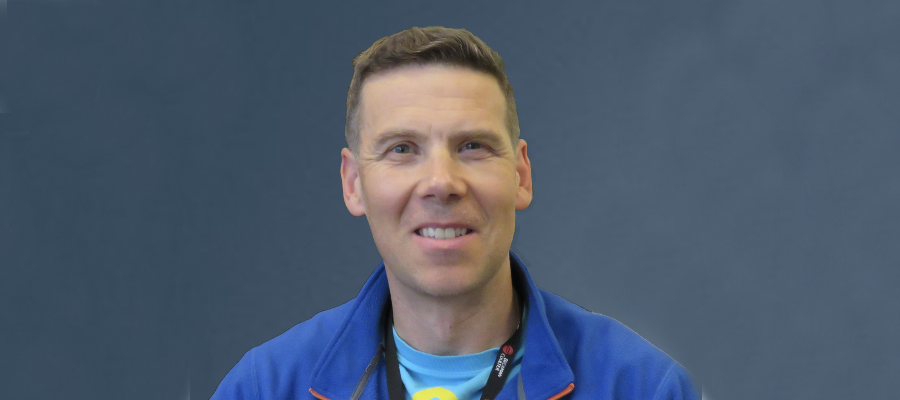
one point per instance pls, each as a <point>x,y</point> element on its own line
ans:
<point>444,278</point>
<point>452,283</point>
<point>448,289</point>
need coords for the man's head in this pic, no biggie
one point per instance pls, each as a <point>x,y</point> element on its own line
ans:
<point>433,150</point>
<point>426,46</point>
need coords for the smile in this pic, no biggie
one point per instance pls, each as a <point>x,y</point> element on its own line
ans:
<point>443,233</point>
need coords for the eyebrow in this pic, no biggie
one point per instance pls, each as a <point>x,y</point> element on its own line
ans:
<point>476,134</point>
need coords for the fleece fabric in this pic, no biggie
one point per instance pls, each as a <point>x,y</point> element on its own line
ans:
<point>572,354</point>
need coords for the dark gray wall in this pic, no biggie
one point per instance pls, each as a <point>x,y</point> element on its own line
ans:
<point>721,176</point>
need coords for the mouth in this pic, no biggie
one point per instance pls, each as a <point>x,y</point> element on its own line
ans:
<point>443,233</point>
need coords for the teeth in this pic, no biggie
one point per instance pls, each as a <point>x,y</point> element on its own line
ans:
<point>442,233</point>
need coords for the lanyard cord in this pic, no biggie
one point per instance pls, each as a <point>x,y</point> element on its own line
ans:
<point>396,391</point>
<point>495,382</point>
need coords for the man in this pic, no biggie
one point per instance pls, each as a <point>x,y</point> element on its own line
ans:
<point>436,165</point>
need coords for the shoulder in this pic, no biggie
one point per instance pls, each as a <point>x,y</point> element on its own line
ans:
<point>307,336</point>
<point>593,335</point>
<point>604,352</point>
<point>283,364</point>
<point>302,345</point>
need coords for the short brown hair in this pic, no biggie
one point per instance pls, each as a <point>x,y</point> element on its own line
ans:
<point>422,46</point>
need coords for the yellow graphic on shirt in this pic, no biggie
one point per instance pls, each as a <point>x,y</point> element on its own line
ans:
<point>438,393</point>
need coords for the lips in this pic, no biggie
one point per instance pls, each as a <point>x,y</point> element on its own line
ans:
<point>443,229</point>
<point>444,239</point>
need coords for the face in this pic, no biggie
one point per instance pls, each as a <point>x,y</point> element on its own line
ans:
<point>435,154</point>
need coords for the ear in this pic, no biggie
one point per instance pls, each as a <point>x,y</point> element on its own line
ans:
<point>523,174</point>
<point>351,184</point>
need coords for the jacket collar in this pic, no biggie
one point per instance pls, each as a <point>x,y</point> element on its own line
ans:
<point>544,370</point>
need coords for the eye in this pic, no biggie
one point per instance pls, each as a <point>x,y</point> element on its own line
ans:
<point>472,146</point>
<point>402,149</point>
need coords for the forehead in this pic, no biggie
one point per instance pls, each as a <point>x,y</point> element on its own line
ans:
<point>430,98</point>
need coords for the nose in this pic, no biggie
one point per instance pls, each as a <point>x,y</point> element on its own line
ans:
<point>442,177</point>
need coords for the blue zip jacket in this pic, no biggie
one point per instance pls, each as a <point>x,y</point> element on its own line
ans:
<point>570,353</point>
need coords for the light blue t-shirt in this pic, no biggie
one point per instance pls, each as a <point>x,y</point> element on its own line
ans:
<point>431,377</point>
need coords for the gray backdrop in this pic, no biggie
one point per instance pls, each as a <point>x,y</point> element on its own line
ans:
<point>721,176</point>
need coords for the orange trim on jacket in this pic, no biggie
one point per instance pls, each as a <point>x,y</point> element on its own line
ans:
<point>314,393</point>
<point>565,391</point>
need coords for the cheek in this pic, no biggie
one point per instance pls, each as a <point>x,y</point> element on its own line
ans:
<point>499,180</point>
<point>385,196</point>
<point>496,191</point>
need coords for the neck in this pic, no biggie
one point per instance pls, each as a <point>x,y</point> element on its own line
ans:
<point>456,325</point>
